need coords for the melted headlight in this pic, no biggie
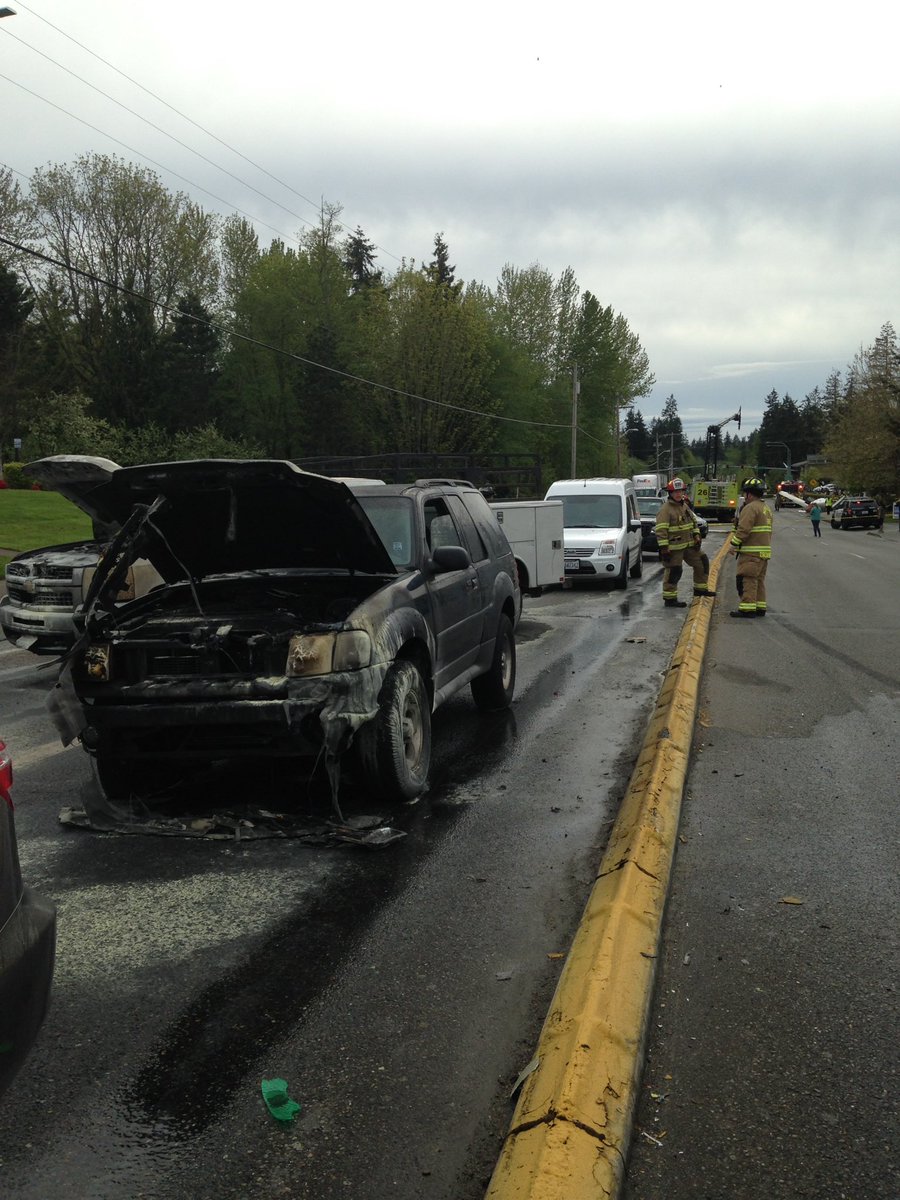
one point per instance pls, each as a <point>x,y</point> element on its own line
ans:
<point>321,653</point>
<point>97,663</point>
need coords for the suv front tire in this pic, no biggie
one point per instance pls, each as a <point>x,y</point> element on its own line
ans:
<point>395,746</point>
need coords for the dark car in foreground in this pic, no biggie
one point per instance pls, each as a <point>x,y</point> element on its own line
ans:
<point>295,619</point>
<point>862,511</point>
<point>648,507</point>
<point>27,944</point>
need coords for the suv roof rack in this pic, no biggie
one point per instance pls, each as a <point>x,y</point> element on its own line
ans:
<point>442,483</point>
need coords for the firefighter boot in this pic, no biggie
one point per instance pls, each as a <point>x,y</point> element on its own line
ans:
<point>675,604</point>
<point>736,612</point>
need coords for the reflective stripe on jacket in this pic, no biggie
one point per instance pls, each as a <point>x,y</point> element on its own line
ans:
<point>753,533</point>
<point>676,528</point>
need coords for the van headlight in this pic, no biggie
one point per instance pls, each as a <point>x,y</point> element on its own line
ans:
<point>322,653</point>
<point>608,547</point>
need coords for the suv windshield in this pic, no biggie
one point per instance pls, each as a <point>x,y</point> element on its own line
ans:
<point>649,506</point>
<point>592,512</point>
<point>392,517</point>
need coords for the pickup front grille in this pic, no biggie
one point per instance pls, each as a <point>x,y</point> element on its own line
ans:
<point>43,597</point>
<point>53,571</point>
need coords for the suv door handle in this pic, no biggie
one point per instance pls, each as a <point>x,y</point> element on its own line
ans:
<point>473,583</point>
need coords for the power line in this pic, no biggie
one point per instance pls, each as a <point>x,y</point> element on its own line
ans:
<point>190,121</point>
<point>158,128</point>
<point>172,309</point>
<point>145,157</point>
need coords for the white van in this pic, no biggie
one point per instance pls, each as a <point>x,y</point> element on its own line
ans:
<point>602,529</point>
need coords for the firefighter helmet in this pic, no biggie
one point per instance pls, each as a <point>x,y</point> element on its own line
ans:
<point>756,487</point>
<point>675,485</point>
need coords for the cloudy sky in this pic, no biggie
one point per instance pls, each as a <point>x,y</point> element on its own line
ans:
<point>725,176</point>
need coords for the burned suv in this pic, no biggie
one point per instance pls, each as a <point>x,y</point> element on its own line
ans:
<point>294,619</point>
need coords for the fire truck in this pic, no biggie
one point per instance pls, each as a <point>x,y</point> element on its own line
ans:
<point>714,496</point>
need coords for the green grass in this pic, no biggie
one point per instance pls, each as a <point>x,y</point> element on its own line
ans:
<point>29,520</point>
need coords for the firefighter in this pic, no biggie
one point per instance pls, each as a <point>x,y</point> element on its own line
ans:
<point>678,536</point>
<point>752,543</point>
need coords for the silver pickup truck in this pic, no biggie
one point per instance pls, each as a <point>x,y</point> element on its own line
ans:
<point>46,587</point>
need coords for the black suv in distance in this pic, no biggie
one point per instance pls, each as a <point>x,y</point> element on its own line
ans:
<point>295,618</point>
<point>856,510</point>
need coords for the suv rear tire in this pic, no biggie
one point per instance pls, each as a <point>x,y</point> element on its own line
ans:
<point>495,688</point>
<point>395,746</point>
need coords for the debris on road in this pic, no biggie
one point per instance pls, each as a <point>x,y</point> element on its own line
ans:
<point>279,1104</point>
<point>234,822</point>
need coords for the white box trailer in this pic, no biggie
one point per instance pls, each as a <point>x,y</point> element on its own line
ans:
<point>534,529</point>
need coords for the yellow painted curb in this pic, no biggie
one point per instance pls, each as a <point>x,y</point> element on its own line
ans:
<point>569,1135</point>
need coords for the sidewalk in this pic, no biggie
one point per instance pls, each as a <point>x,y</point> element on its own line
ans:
<point>772,1057</point>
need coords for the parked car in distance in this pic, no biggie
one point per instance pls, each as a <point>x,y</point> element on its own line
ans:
<point>296,618</point>
<point>648,507</point>
<point>856,510</point>
<point>602,529</point>
<point>27,944</point>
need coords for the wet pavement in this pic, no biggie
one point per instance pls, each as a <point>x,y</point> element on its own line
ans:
<point>772,1065</point>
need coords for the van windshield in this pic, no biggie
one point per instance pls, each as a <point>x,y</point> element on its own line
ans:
<point>592,512</point>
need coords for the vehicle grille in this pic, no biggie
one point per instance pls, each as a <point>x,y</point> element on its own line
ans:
<point>44,597</point>
<point>18,569</point>
<point>581,552</point>
<point>52,571</point>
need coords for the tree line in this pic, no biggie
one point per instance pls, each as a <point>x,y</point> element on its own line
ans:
<point>851,422</point>
<point>136,325</point>
<point>149,328</point>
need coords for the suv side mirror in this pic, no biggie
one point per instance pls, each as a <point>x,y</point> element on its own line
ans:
<point>450,558</point>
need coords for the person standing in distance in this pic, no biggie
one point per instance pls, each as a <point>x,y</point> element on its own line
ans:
<point>752,543</point>
<point>678,537</point>
<point>815,516</point>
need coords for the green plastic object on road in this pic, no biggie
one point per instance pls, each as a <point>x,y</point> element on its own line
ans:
<point>279,1104</point>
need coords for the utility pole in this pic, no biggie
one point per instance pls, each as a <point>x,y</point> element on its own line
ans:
<point>619,408</point>
<point>576,389</point>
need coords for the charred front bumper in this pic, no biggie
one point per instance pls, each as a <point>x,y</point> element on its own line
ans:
<point>208,719</point>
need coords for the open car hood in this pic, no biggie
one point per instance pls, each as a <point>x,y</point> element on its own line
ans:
<point>227,516</point>
<point>81,478</point>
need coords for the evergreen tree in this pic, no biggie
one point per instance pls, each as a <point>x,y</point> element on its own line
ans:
<point>189,367</point>
<point>359,262</point>
<point>15,308</point>
<point>439,271</point>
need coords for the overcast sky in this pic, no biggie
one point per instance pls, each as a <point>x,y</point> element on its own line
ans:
<point>725,176</point>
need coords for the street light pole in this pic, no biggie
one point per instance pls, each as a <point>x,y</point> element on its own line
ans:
<point>790,469</point>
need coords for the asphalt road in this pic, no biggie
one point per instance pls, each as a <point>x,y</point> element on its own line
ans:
<point>398,991</point>
<point>772,1059</point>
